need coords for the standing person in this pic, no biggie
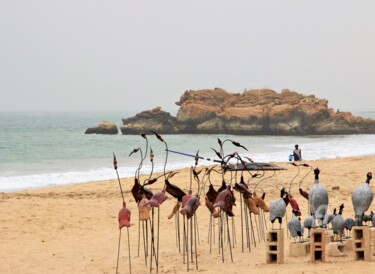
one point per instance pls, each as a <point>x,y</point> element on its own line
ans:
<point>297,154</point>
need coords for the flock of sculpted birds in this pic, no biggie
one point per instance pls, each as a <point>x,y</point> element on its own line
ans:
<point>220,202</point>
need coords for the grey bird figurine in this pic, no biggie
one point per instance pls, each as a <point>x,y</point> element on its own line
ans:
<point>295,228</point>
<point>278,208</point>
<point>318,199</point>
<point>362,198</point>
<point>349,223</point>
<point>328,218</point>
<point>309,223</point>
<point>338,224</point>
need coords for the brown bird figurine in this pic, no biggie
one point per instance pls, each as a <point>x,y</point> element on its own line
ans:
<point>124,216</point>
<point>186,198</point>
<point>304,194</point>
<point>157,199</point>
<point>144,209</point>
<point>260,202</point>
<point>190,207</point>
<point>225,200</point>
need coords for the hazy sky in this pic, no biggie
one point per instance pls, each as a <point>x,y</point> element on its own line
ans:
<point>135,55</point>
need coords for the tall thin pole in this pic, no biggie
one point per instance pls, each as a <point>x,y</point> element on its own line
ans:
<point>157,252</point>
<point>230,246</point>
<point>118,251</point>
<point>130,262</point>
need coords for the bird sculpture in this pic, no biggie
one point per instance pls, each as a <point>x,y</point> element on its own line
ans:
<point>157,199</point>
<point>349,223</point>
<point>124,216</point>
<point>210,206</point>
<point>304,194</point>
<point>338,224</point>
<point>362,198</point>
<point>309,223</point>
<point>211,193</point>
<point>295,228</point>
<point>318,199</point>
<point>225,201</point>
<point>278,207</point>
<point>144,209</point>
<point>367,218</point>
<point>186,198</point>
<point>248,197</point>
<point>328,218</point>
<point>190,206</point>
<point>259,201</point>
<point>295,208</point>
<point>210,200</point>
<point>174,190</point>
<point>138,190</point>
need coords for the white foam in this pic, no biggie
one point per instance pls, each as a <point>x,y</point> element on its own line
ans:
<point>313,148</point>
<point>17,183</point>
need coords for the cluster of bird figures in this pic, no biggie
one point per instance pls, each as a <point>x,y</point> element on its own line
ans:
<point>232,169</point>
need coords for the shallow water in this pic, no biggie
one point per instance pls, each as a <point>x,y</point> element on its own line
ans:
<point>44,149</point>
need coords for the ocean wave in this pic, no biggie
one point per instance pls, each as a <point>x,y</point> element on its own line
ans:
<point>18,183</point>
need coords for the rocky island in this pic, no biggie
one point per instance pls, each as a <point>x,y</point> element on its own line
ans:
<point>253,112</point>
<point>103,127</point>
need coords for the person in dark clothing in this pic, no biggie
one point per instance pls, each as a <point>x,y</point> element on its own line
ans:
<point>297,154</point>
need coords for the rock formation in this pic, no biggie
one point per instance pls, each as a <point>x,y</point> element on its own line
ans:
<point>155,120</point>
<point>103,128</point>
<point>262,111</point>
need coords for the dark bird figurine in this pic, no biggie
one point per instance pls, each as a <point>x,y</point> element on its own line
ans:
<point>190,206</point>
<point>211,193</point>
<point>158,136</point>
<point>223,186</point>
<point>217,153</point>
<point>138,191</point>
<point>362,198</point>
<point>210,206</point>
<point>225,200</point>
<point>174,190</point>
<point>237,144</point>
<point>304,194</point>
<point>134,151</point>
<point>295,208</point>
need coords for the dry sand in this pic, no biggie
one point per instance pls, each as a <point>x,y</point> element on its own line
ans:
<point>74,228</point>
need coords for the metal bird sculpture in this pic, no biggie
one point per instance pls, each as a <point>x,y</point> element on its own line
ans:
<point>362,198</point>
<point>318,199</point>
<point>278,207</point>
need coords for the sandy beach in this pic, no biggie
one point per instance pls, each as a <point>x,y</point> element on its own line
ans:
<point>74,228</point>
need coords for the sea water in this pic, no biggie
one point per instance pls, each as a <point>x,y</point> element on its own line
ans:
<point>45,149</point>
